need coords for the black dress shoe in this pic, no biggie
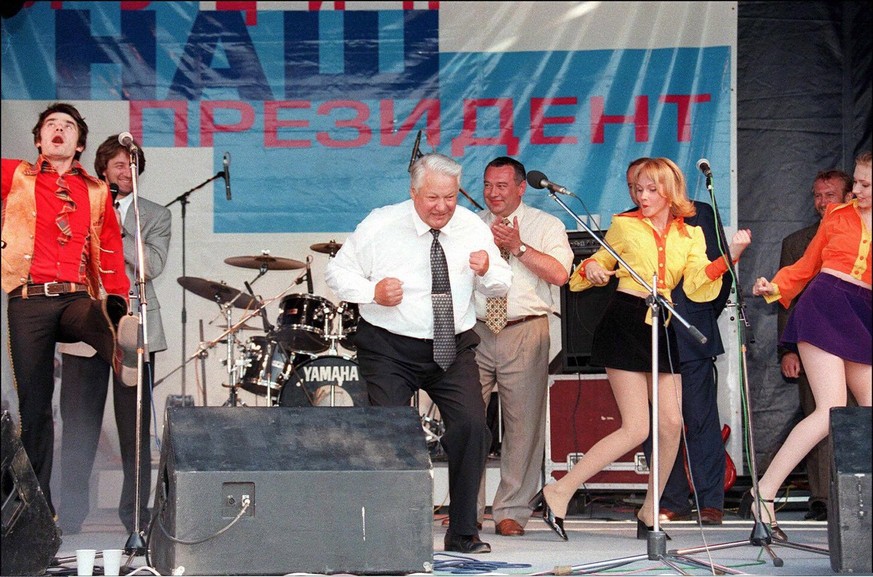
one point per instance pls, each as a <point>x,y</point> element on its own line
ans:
<point>555,523</point>
<point>469,544</point>
<point>643,531</point>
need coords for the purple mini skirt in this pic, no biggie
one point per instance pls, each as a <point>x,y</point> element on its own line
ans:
<point>835,316</point>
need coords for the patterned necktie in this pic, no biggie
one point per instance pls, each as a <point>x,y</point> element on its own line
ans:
<point>495,307</point>
<point>441,298</point>
<point>117,205</point>
<point>63,219</point>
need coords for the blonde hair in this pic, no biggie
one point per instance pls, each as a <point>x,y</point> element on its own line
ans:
<point>864,158</point>
<point>671,184</point>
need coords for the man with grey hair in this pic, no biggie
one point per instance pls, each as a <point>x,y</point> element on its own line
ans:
<point>413,269</point>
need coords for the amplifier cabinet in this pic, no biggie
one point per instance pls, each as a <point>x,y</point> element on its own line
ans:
<point>581,411</point>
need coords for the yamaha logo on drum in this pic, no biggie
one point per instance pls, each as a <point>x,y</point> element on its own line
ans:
<point>339,374</point>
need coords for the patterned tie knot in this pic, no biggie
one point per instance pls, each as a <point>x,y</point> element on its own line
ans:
<point>504,252</point>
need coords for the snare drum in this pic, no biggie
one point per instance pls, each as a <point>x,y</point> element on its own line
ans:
<point>303,322</point>
<point>267,367</point>
<point>326,381</point>
<point>348,318</point>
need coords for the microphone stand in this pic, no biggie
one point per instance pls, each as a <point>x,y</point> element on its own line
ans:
<point>182,199</point>
<point>135,544</point>
<point>656,543</point>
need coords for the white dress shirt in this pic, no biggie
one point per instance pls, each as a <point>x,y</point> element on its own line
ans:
<point>393,241</point>
<point>529,294</point>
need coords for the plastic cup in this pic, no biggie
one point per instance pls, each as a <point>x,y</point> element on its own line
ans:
<point>85,561</point>
<point>112,561</point>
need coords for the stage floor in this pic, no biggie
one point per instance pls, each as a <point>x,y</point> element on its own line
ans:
<point>599,534</point>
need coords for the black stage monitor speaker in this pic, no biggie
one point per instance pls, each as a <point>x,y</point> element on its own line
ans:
<point>851,494</point>
<point>329,490</point>
<point>30,536</point>
<point>581,311</point>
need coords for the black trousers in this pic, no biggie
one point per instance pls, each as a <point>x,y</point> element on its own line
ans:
<point>84,387</point>
<point>36,324</point>
<point>704,447</point>
<point>395,367</point>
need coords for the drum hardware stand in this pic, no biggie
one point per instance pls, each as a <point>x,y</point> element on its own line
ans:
<point>233,367</point>
<point>182,199</point>
<point>202,355</point>
<point>656,545</point>
<point>203,347</point>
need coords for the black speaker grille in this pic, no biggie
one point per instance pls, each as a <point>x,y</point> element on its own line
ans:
<point>582,311</point>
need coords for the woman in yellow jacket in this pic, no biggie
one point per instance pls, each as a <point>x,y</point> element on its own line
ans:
<point>652,239</point>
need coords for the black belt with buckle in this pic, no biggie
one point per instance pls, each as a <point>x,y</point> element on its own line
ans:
<point>49,289</point>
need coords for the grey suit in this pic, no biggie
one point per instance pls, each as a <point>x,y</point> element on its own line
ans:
<point>84,388</point>
<point>155,221</point>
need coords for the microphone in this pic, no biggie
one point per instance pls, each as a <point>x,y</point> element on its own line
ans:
<point>125,139</point>
<point>113,189</point>
<point>309,276</point>
<point>703,166</point>
<point>267,326</point>
<point>537,179</point>
<point>227,174</point>
<point>415,152</point>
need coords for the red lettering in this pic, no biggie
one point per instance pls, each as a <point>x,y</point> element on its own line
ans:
<point>394,136</point>
<point>358,123</point>
<point>640,119</point>
<point>272,124</point>
<point>250,8</point>
<point>316,6</point>
<point>179,109</point>
<point>207,118</point>
<point>505,134</point>
<point>538,120</point>
<point>683,112</point>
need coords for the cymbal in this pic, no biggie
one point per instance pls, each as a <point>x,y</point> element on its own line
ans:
<point>217,292</point>
<point>265,261</point>
<point>330,248</point>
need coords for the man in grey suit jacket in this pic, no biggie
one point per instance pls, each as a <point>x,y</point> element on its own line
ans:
<point>829,186</point>
<point>85,376</point>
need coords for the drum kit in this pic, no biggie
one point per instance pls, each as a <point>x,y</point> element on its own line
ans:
<point>296,362</point>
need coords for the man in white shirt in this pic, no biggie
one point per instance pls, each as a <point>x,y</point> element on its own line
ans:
<point>513,356</point>
<point>386,267</point>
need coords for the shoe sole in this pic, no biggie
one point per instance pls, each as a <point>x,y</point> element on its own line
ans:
<point>126,339</point>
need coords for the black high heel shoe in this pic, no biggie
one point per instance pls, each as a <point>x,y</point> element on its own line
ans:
<point>747,511</point>
<point>555,523</point>
<point>643,530</point>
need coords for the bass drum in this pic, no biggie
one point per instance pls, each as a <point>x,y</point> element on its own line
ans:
<point>326,381</point>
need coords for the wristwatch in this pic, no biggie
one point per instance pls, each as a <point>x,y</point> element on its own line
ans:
<point>521,250</point>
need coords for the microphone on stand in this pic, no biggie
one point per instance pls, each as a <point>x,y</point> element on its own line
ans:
<point>703,166</point>
<point>537,179</point>
<point>309,276</point>
<point>125,139</point>
<point>226,174</point>
<point>267,326</point>
<point>415,152</point>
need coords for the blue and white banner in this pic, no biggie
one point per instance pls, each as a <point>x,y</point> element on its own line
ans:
<point>318,105</point>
